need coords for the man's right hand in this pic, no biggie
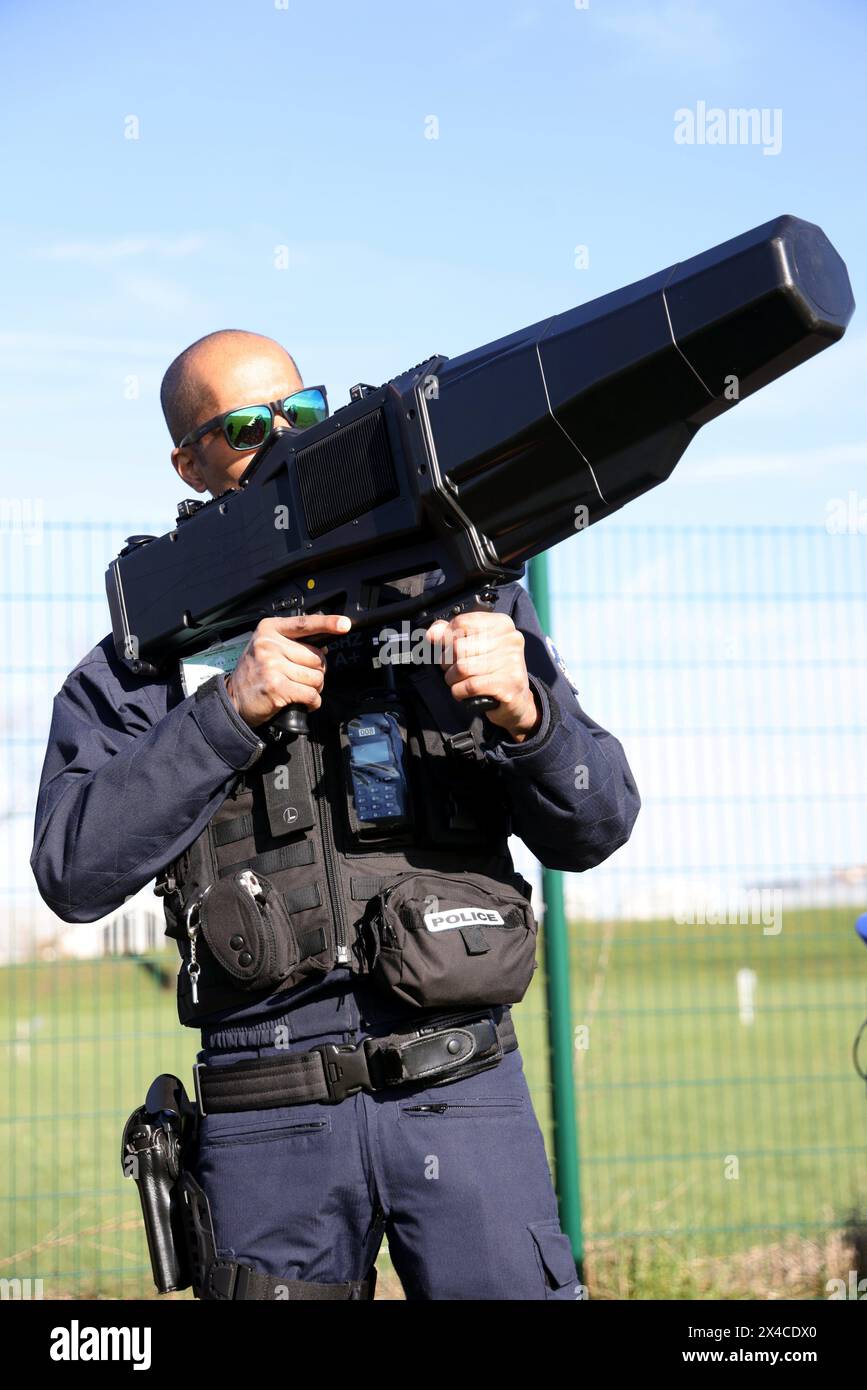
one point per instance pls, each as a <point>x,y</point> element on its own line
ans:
<point>278,669</point>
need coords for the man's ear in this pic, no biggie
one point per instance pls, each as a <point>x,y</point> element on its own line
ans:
<point>186,465</point>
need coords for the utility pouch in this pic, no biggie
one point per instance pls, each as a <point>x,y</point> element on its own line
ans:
<point>152,1154</point>
<point>442,940</point>
<point>378,795</point>
<point>248,931</point>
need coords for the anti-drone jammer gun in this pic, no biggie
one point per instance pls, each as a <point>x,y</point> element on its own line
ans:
<point>471,466</point>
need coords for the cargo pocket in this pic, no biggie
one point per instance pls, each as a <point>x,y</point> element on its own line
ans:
<point>554,1257</point>
<point>443,940</point>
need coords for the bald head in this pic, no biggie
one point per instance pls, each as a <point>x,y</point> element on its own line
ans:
<point>221,371</point>
<point>213,376</point>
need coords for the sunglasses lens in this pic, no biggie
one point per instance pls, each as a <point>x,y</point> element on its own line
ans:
<point>306,408</point>
<point>248,428</point>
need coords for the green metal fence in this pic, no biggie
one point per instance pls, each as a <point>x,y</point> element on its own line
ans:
<point>716,980</point>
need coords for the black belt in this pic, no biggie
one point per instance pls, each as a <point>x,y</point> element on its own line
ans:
<point>442,1049</point>
<point>227,1279</point>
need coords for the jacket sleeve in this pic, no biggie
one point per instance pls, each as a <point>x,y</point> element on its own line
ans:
<point>124,791</point>
<point>571,793</point>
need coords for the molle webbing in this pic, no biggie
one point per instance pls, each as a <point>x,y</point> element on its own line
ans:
<point>271,861</point>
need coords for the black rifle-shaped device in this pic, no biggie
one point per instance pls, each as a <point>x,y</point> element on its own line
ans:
<point>473,465</point>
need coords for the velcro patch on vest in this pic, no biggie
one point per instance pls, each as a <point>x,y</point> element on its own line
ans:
<point>456,917</point>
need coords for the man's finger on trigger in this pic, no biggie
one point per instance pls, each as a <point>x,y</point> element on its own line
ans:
<point>303,625</point>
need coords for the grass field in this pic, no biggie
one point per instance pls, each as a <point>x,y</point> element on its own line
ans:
<point>718,1157</point>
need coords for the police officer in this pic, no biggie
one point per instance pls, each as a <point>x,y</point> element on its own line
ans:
<point>359,1074</point>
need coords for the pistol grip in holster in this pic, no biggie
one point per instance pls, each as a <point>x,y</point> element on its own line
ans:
<point>156,1141</point>
<point>155,1138</point>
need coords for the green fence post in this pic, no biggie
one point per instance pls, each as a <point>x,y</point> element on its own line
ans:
<point>559,1005</point>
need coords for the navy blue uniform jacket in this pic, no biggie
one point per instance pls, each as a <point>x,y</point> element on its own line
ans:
<point>134,771</point>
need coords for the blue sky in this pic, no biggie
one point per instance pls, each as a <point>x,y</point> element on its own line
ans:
<point>304,126</point>
<point>263,127</point>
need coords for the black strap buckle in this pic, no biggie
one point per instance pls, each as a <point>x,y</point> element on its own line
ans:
<point>165,885</point>
<point>225,1278</point>
<point>346,1069</point>
<point>463,745</point>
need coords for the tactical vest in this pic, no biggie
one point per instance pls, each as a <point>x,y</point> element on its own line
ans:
<point>281,886</point>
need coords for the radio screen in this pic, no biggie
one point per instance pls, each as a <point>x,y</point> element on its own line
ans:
<point>377,750</point>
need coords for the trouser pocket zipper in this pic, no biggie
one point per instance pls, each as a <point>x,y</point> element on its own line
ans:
<point>477,1107</point>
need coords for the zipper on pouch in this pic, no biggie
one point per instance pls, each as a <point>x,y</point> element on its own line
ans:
<point>250,882</point>
<point>342,955</point>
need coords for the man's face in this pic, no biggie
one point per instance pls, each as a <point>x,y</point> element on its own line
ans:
<point>228,379</point>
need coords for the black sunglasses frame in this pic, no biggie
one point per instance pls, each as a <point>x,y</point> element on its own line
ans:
<point>275,407</point>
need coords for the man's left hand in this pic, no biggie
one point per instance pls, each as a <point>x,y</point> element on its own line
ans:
<point>483,654</point>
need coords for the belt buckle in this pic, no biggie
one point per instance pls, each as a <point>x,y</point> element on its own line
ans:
<point>346,1070</point>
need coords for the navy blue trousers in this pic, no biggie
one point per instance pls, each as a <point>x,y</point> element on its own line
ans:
<point>463,1195</point>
